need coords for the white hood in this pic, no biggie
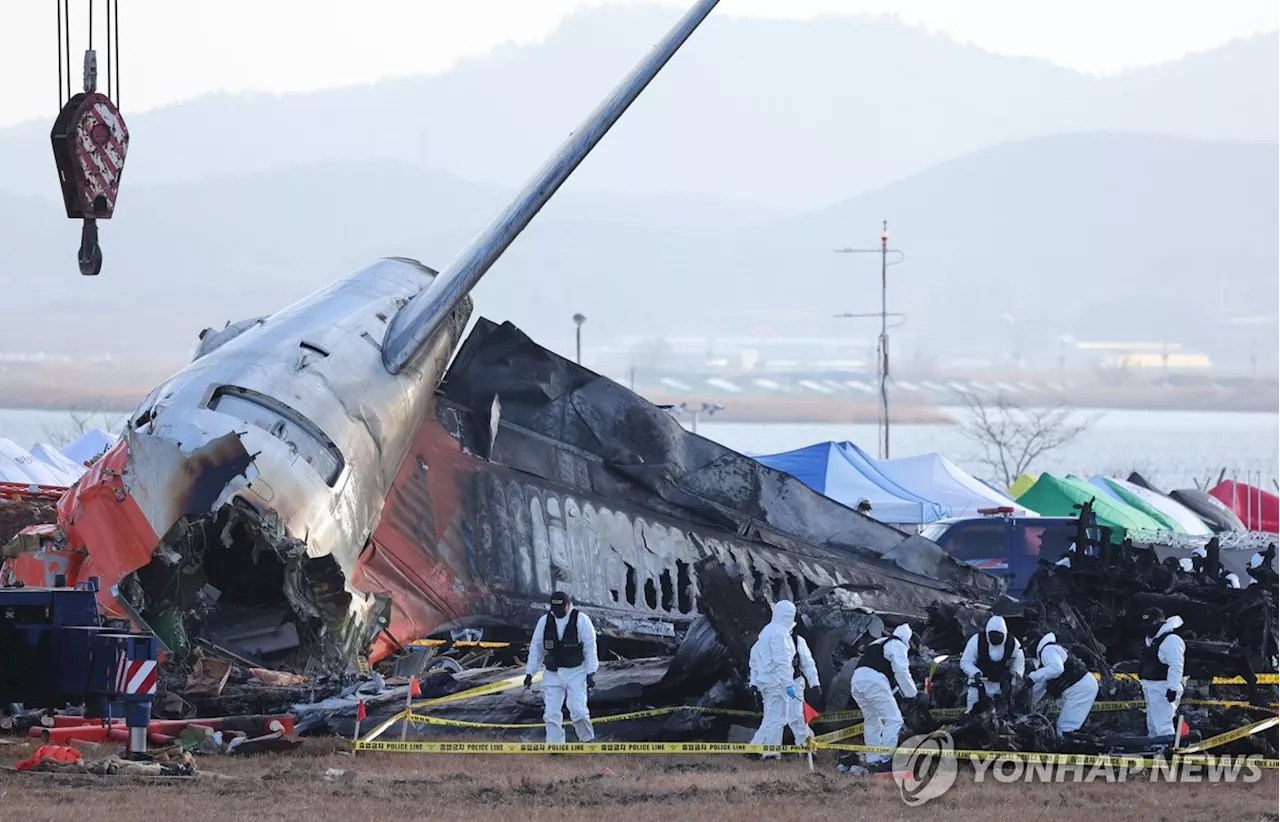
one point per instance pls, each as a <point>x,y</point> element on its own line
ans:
<point>784,614</point>
<point>996,623</point>
<point>1170,624</point>
<point>903,632</point>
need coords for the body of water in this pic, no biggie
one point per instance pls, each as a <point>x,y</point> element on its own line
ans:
<point>1173,449</point>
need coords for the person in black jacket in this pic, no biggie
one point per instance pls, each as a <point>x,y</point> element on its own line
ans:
<point>564,640</point>
<point>1160,670</point>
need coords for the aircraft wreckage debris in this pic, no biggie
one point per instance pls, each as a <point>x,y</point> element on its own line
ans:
<point>574,476</point>
<point>567,478</point>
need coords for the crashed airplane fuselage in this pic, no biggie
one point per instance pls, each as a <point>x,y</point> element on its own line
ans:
<point>313,486</point>
<point>409,511</point>
<point>248,483</point>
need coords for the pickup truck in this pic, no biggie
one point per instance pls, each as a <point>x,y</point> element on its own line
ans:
<point>1004,545</point>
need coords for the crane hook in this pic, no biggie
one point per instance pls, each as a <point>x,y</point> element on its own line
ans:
<point>90,254</point>
<point>90,141</point>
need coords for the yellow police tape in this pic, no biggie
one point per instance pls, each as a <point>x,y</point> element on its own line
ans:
<point>827,741</point>
<point>481,690</point>
<point>827,718</point>
<point>840,735</point>
<point>831,742</point>
<point>1092,760</point>
<point>1262,679</point>
<point>426,719</point>
<point>579,747</point>
<point>1231,736</point>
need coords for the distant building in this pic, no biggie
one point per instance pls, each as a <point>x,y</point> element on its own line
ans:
<point>1154,356</point>
<point>701,354</point>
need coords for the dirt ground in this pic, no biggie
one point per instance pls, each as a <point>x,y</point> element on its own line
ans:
<point>577,787</point>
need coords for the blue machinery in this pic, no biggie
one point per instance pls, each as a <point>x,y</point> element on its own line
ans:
<point>55,651</point>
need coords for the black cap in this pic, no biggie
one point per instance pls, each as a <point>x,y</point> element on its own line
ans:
<point>559,598</point>
<point>1153,614</point>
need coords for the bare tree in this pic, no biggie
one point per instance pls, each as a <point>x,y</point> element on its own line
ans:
<point>1012,438</point>
<point>80,420</point>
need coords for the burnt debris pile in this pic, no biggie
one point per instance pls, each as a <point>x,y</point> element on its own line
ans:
<point>1093,600</point>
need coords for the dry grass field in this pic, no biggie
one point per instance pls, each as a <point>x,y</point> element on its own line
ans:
<point>395,787</point>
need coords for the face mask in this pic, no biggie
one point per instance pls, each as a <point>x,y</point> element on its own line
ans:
<point>1153,629</point>
<point>559,609</point>
<point>995,637</point>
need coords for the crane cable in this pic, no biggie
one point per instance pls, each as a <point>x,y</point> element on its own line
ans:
<point>63,44</point>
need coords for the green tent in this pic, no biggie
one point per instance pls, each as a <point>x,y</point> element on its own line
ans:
<point>1055,497</point>
<point>1166,522</point>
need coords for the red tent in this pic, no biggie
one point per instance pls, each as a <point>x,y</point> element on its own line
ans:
<point>1258,509</point>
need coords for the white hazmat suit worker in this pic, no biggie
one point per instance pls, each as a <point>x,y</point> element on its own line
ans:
<point>1160,670</point>
<point>1065,678</point>
<point>994,659</point>
<point>883,664</point>
<point>774,674</point>
<point>569,653</point>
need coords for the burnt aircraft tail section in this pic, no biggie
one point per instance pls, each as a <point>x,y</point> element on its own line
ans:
<point>568,425</point>
<point>538,475</point>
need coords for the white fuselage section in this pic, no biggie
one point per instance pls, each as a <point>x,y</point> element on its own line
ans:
<point>325,422</point>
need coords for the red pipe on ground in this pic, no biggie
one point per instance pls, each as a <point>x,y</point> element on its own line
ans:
<point>165,726</point>
<point>61,736</point>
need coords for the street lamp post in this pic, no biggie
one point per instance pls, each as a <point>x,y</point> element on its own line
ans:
<point>1064,340</point>
<point>1016,356</point>
<point>578,320</point>
<point>882,359</point>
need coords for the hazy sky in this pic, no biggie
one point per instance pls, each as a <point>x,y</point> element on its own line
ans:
<point>178,50</point>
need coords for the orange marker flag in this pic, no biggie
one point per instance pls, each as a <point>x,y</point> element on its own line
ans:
<point>810,714</point>
<point>360,712</point>
<point>414,688</point>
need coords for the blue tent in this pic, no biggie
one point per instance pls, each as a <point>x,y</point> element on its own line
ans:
<point>844,473</point>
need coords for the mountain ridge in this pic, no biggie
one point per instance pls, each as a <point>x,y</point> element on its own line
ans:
<point>796,114</point>
<point>1098,234</point>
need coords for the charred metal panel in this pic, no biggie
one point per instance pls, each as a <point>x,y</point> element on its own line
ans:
<point>590,435</point>
<point>625,562</point>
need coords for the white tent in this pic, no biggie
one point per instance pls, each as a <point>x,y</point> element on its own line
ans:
<point>88,445</point>
<point>64,466</point>
<point>937,478</point>
<point>33,469</point>
<point>10,471</point>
